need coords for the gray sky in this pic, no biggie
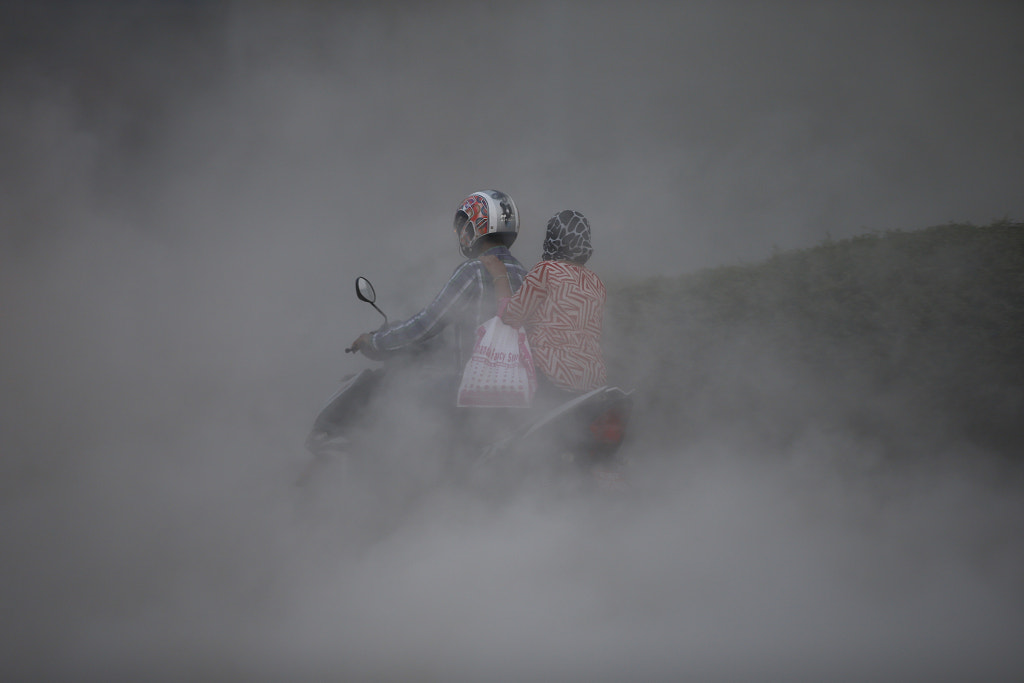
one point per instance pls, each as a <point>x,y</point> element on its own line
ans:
<point>721,129</point>
<point>187,191</point>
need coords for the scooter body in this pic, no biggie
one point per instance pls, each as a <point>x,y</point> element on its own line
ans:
<point>584,433</point>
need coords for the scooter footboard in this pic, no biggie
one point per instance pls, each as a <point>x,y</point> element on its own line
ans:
<point>345,408</point>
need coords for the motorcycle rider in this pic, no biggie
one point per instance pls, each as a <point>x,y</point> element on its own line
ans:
<point>486,222</point>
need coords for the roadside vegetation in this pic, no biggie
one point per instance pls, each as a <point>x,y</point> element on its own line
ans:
<point>892,335</point>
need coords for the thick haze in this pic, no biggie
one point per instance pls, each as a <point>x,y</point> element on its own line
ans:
<point>187,191</point>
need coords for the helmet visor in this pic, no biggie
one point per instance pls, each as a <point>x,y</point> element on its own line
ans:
<point>461,218</point>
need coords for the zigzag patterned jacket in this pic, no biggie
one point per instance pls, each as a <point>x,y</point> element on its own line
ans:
<point>561,304</point>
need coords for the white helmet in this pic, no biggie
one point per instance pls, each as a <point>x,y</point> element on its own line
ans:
<point>486,212</point>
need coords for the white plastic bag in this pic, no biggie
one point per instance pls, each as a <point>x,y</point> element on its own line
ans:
<point>500,373</point>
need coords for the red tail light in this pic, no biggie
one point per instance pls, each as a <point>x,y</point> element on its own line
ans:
<point>609,428</point>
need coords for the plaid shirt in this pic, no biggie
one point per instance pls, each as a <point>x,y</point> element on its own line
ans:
<point>465,302</point>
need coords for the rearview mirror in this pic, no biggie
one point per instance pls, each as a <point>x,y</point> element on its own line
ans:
<point>364,290</point>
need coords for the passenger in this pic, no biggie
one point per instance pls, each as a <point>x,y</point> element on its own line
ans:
<point>561,304</point>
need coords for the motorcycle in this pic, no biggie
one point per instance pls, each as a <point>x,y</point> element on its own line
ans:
<point>582,435</point>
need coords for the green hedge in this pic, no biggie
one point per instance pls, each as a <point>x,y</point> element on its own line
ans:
<point>934,317</point>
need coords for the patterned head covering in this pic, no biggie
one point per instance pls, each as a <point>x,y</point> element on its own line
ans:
<point>568,237</point>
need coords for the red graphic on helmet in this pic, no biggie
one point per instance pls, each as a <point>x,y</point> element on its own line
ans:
<point>475,208</point>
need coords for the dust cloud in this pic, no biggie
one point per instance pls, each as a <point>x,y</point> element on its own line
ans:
<point>188,190</point>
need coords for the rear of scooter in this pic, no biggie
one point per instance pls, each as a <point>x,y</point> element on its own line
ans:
<point>578,441</point>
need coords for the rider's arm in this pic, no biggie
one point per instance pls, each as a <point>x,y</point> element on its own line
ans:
<point>432,319</point>
<point>499,274</point>
<point>520,308</point>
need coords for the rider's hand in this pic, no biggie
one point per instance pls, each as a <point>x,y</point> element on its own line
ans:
<point>493,265</point>
<point>362,343</point>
